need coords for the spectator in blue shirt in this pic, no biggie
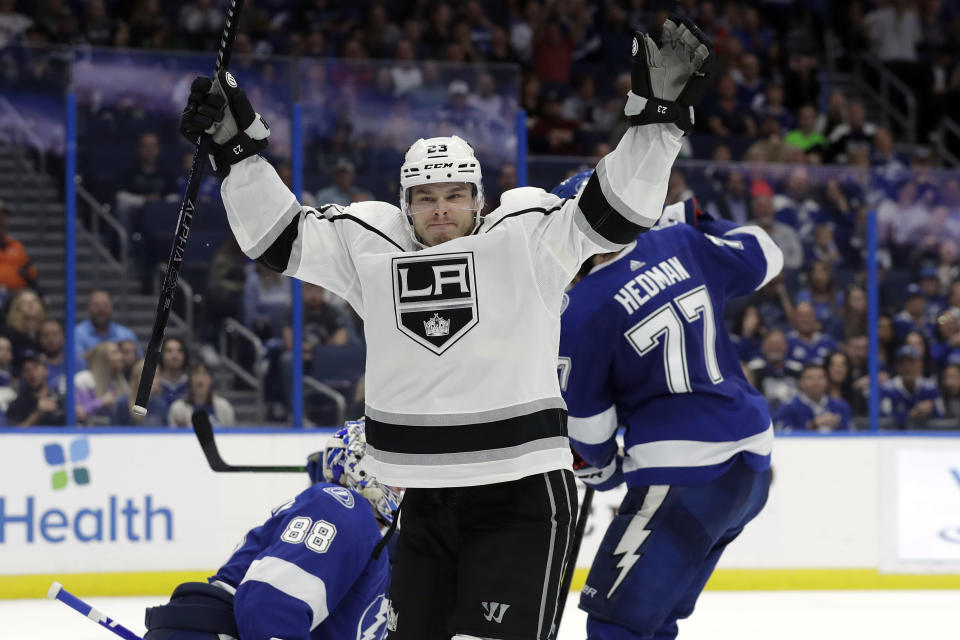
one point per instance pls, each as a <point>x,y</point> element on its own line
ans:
<point>908,397</point>
<point>806,344</point>
<point>812,408</point>
<point>914,315</point>
<point>99,327</point>
<point>774,375</point>
<point>798,205</point>
<point>747,77</point>
<point>822,294</point>
<point>932,291</point>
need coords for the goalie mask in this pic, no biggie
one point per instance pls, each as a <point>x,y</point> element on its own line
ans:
<point>440,160</point>
<point>340,463</point>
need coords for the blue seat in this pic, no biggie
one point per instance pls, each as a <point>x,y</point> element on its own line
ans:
<point>340,366</point>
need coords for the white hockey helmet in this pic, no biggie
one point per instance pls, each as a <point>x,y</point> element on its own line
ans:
<point>443,159</point>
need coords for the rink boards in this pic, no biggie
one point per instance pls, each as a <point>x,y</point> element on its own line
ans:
<point>124,512</point>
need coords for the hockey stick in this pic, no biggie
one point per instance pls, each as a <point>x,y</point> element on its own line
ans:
<point>574,552</point>
<point>204,431</point>
<point>184,220</point>
<point>57,592</point>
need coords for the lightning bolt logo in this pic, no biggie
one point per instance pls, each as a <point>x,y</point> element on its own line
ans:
<point>637,532</point>
<point>377,627</point>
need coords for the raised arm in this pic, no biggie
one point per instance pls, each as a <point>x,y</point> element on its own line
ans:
<point>625,195</point>
<point>666,82</point>
<point>264,215</point>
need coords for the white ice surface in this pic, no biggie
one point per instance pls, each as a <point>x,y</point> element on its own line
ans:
<point>773,615</point>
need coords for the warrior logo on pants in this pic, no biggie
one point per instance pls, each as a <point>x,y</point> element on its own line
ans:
<point>435,298</point>
<point>494,611</point>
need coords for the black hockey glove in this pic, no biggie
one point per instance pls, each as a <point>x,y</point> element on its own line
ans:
<point>221,108</point>
<point>668,80</point>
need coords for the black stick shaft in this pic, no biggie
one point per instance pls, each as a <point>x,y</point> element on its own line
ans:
<point>184,220</point>
<point>574,552</point>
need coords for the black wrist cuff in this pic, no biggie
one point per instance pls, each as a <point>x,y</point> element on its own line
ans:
<point>665,111</point>
<point>234,150</point>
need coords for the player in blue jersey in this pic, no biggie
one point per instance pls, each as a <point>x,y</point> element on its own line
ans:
<point>643,345</point>
<point>313,571</point>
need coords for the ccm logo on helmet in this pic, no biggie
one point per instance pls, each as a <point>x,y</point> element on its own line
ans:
<point>439,165</point>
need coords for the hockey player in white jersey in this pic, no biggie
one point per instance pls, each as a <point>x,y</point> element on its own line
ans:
<point>315,570</point>
<point>462,320</point>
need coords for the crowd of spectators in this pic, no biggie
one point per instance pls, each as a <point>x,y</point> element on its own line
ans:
<point>802,339</point>
<point>770,89</point>
<point>108,363</point>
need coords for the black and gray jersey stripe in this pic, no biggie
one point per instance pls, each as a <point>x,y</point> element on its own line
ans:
<point>277,255</point>
<point>406,444</point>
<point>607,215</point>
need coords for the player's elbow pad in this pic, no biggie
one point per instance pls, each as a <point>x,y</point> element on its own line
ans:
<point>277,256</point>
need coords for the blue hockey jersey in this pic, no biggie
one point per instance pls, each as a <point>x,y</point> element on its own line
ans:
<point>307,572</point>
<point>643,345</point>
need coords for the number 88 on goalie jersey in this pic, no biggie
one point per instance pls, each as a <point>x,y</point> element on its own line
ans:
<point>643,346</point>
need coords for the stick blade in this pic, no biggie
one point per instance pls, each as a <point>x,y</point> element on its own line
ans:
<point>204,432</point>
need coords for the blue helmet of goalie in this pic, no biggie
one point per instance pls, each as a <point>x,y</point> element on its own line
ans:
<point>340,462</point>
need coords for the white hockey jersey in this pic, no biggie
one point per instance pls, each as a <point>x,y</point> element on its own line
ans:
<point>462,338</point>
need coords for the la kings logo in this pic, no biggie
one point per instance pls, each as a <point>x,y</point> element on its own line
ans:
<point>435,298</point>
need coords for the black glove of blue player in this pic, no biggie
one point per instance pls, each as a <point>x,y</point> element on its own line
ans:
<point>668,80</point>
<point>221,108</point>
